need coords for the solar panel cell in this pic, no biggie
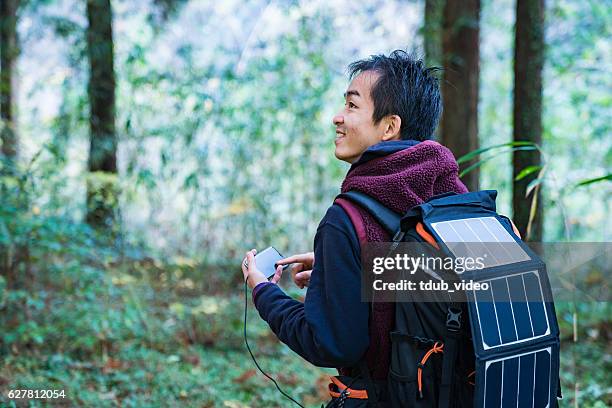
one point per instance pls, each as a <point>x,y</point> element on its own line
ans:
<point>541,389</point>
<point>533,291</point>
<point>505,317</point>
<point>526,380</point>
<point>499,252</point>
<point>510,383</point>
<point>493,385</point>
<point>445,230</point>
<point>486,313</point>
<point>519,307</point>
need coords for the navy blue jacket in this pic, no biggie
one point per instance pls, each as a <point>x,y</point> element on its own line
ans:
<point>330,329</point>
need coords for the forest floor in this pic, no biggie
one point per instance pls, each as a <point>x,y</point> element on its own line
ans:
<point>134,342</point>
<point>194,377</point>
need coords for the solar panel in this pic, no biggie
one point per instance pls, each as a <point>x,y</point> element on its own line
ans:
<point>512,311</point>
<point>518,381</point>
<point>513,324</point>
<point>480,237</point>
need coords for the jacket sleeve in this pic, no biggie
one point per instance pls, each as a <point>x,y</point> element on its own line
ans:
<point>330,329</point>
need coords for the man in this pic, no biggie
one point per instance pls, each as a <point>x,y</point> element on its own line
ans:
<point>392,107</point>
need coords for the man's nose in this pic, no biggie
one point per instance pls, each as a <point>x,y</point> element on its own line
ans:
<point>338,119</point>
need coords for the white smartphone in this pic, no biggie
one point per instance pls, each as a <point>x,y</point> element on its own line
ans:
<point>266,261</point>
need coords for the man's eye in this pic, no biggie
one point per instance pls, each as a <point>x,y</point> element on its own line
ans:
<point>351,105</point>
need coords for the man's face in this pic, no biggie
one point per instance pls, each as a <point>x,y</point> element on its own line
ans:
<point>355,129</point>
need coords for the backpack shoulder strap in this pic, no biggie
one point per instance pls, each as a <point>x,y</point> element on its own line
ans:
<point>355,217</point>
<point>387,218</point>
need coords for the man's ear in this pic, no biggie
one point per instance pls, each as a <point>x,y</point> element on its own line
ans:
<point>391,127</point>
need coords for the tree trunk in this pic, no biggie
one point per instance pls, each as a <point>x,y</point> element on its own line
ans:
<point>8,55</point>
<point>432,38</point>
<point>460,47</point>
<point>527,112</point>
<point>8,133</point>
<point>101,185</point>
<point>432,32</point>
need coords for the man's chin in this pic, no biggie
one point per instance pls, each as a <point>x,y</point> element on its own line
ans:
<point>343,156</point>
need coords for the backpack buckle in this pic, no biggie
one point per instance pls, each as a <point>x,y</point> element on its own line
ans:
<point>453,319</point>
<point>397,238</point>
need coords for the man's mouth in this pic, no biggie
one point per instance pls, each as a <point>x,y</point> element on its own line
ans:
<point>339,137</point>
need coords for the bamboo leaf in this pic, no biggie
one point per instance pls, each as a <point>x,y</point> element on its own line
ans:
<point>526,171</point>
<point>537,183</point>
<point>477,152</point>
<point>532,213</point>
<point>486,159</point>
<point>533,184</point>
<point>595,180</point>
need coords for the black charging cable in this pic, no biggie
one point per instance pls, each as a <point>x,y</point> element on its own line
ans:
<point>246,341</point>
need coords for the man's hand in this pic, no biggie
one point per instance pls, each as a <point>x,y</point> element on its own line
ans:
<point>300,270</point>
<point>251,274</point>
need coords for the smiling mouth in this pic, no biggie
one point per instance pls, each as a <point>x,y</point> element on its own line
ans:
<point>339,137</point>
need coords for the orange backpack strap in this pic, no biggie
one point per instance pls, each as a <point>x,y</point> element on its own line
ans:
<point>516,231</point>
<point>420,229</point>
<point>349,392</point>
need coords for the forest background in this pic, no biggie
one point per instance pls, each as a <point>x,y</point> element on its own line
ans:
<point>146,145</point>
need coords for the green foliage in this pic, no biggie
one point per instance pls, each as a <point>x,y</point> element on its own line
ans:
<point>110,328</point>
<point>576,101</point>
<point>586,182</point>
<point>499,150</point>
<point>585,356</point>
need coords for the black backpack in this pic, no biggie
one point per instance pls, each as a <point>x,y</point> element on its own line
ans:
<point>485,348</point>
